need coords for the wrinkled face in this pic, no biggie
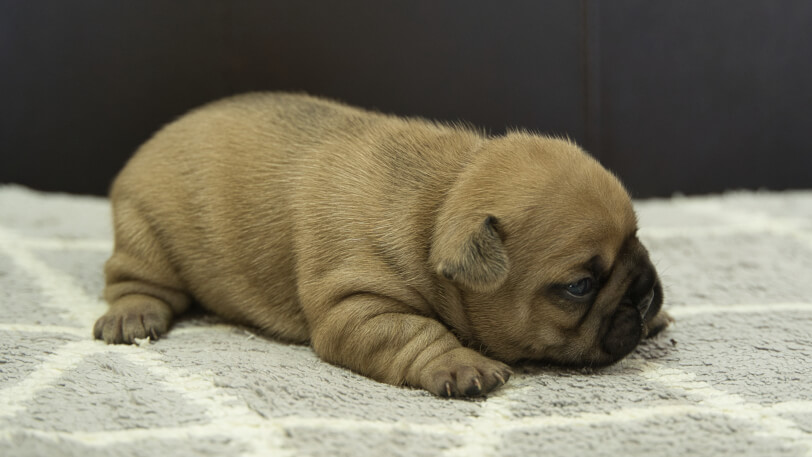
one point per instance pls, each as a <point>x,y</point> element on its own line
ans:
<point>555,271</point>
<point>584,302</point>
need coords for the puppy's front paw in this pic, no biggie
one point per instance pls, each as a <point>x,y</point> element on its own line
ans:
<point>133,317</point>
<point>658,324</point>
<point>463,372</point>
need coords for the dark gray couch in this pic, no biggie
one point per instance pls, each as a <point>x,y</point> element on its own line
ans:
<point>690,96</point>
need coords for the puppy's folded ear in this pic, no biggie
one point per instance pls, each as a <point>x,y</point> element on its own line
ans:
<point>473,256</point>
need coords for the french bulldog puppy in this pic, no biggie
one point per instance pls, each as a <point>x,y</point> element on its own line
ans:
<point>413,252</point>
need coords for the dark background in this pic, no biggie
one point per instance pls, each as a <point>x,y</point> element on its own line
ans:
<point>688,96</point>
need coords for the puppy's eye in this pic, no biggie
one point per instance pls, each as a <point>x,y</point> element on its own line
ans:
<point>581,288</point>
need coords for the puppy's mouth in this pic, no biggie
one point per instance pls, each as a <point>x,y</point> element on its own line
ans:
<point>625,331</point>
<point>627,326</point>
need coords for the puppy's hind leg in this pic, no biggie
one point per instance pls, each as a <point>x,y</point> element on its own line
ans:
<point>143,289</point>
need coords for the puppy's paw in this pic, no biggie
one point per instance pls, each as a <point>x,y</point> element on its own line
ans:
<point>658,323</point>
<point>463,372</point>
<point>133,317</point>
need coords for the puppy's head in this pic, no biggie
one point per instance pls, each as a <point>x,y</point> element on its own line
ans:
<point>540,241</point>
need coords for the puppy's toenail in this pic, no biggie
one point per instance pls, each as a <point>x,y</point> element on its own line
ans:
<point>474,389</point>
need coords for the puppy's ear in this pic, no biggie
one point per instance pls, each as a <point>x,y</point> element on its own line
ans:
<point>474,257</point>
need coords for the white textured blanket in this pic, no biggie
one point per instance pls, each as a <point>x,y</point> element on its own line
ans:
<point>733,376</point>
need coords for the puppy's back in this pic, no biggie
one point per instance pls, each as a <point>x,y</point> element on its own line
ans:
<point>253,193</point>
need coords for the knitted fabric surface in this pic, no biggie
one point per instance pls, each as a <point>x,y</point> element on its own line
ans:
<point>732,375</point>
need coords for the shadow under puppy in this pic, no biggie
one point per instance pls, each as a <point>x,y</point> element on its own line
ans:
<point>409,251</point>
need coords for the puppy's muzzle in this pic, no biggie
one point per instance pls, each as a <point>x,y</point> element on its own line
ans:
<point>641,293</point>
<point>624,332</point>
<point>626,327</point>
